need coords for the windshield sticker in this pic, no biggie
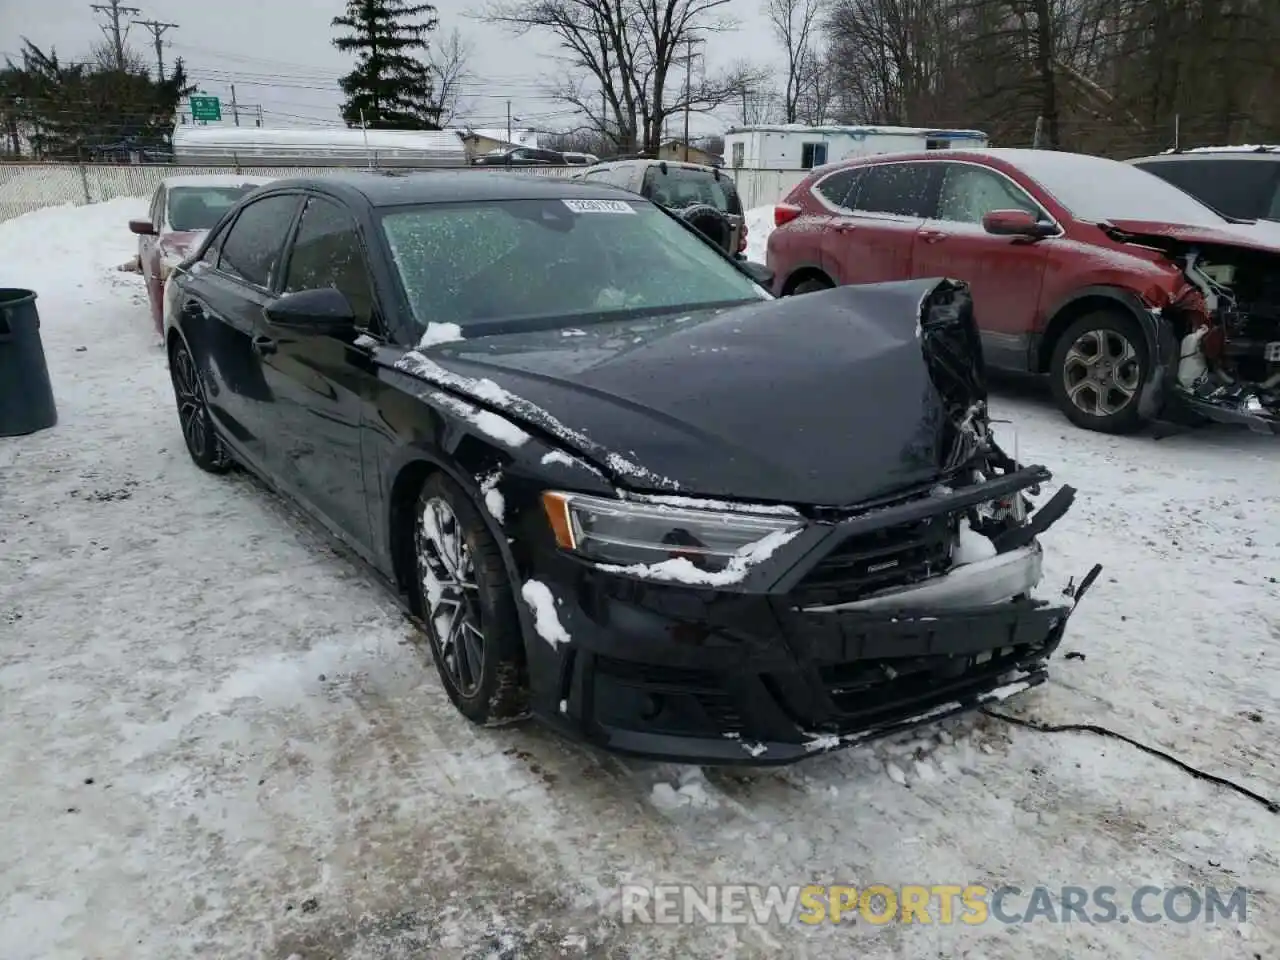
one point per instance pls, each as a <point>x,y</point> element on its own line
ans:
<point>599,206</point>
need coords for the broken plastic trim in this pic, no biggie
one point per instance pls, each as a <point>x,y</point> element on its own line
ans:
<point>953,356</point>
<point>978,584</point>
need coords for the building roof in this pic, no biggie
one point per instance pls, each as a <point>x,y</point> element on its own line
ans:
<point>311,137</point>
<point>860,131</point>
<point>393,188</point>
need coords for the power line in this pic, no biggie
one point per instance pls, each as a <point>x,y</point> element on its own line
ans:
<point>111,29</point>
<point>158,30</point>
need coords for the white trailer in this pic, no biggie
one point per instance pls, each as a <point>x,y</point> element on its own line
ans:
<point>316,147</point>
<point>793,146</point>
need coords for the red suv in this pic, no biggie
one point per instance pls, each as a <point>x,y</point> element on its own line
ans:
<point>1134,297</point>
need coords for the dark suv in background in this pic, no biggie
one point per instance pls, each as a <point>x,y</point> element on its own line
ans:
<point>521,157</point>
<point>704,196</point>
<point>1238,182</point>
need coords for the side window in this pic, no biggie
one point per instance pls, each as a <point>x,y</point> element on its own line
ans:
<point>1273,209</point>
<point>812,155</point>
<point>896,188</point>
<point>327,253</point>
<point>251,250</point>
<point>838,188</point>
<point>969,193</point>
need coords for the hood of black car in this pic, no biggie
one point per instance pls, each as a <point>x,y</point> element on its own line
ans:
<point>821,399</point>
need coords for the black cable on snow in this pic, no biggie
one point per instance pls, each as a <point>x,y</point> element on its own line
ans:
<point>1272,806</point>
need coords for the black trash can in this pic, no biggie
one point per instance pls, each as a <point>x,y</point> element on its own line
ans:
<point>26,395</point>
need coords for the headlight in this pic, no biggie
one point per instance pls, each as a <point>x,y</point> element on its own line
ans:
<point>626,533</point>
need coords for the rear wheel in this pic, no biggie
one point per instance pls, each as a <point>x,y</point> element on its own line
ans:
<point>812,285</point>
<point>466,600</point>
<point>1099,367</point>
<point>203,443</point>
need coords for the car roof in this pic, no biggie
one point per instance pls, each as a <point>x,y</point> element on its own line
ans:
<point>395,188</point>
<point>1214,153</point>
<point>213,180</point>
<point>653,162</point>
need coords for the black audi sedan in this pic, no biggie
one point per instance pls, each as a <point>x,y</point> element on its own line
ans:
<point>625,490</point>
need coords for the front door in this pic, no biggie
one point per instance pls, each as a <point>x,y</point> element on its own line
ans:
<point>1004,274</point>
<point>321,383</point>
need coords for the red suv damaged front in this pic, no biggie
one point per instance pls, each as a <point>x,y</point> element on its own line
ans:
<point>1134,297</point>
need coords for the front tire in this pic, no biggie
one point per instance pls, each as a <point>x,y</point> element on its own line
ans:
<point>203,443</point>
<point>1100,365</point>
<point>465,598</point>
<point>812,285</point>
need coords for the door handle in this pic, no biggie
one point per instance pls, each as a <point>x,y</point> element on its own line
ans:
<point>933,236</point>
<point>264,346</point>
<point>844,227</point>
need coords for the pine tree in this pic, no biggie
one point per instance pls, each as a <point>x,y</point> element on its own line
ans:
<point>391,88</point>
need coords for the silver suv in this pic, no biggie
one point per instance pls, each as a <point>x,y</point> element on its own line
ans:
<point>704,196</point>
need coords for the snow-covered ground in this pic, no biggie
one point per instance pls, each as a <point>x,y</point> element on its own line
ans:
<point>221,739</point>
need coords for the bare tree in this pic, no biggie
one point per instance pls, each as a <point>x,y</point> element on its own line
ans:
<point>450,62</point>
<point>794,23</point>
<point>623,59</point>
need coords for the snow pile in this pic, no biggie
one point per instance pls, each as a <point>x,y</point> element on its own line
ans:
<point>545,618</point>
<point>487,391</point>
<point>439,333</point>
<point>682,570</point>
<point>493,500</point>
<point>759,226</point>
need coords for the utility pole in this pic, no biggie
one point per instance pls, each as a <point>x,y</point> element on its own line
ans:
<point>158,30</point>
<point>235,107</point>
<point>688,92</point>
<point>508,123</point>
<point>115,12</point>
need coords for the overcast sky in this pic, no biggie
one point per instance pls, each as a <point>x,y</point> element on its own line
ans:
<point>279,54</point>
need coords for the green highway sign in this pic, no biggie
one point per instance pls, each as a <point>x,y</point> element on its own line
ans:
<point>206,108</point>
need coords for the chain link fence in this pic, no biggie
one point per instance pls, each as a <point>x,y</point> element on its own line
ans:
<point>25,187</point>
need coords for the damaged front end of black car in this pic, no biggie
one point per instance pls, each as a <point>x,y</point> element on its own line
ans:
<point>695,625</point>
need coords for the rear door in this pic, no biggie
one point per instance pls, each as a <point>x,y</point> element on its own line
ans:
<point>1004,274</point>
<point>320,383</point>
<point>149,247</point>
<point>874,243</point>
<point>231,300</point>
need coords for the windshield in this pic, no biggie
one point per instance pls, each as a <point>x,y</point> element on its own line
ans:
<point>200,208</point>
<point>683,187</point>
<point>493,263</point>
<point>1095,189</point>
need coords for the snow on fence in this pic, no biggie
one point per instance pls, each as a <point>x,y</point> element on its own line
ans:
<point>30,186</point>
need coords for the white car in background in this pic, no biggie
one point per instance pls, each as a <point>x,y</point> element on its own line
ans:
<point>183,210</point>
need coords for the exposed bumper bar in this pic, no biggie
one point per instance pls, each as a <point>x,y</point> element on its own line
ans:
<point>982,583</point>
<point>1259,419</point>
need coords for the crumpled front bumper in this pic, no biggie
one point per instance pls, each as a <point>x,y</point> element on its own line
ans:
<point>1246,410</point>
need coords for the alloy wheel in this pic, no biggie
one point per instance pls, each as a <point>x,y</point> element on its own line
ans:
<point>451,595</point>
<point>191,404</point>
<point>1101,373</point>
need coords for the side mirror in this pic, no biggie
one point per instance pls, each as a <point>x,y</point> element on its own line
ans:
<point>143,228</point>
<point>322,312</point>
<point>757,272</point>
<point>1016,223</point>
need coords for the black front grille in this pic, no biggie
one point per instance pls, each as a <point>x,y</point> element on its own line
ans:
<point>868,690</point>
<point>869,562</point>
